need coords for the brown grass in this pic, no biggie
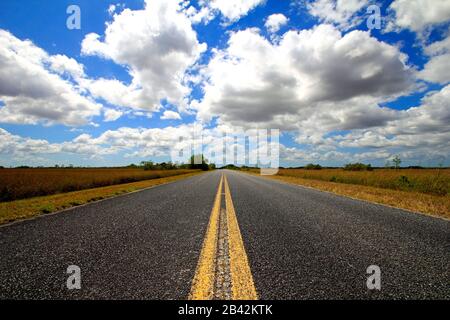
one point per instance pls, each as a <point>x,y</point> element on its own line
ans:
<point>23,209</point>
<point>26,183</point>
<point>429,181</point>
<point>434,205</point>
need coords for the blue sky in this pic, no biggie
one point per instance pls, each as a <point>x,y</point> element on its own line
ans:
<point>138,74</point>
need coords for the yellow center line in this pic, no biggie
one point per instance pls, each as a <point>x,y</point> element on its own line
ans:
<point>203,284</point>
<point>243,287</point>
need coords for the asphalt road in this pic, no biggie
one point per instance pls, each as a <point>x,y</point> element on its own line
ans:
<point>300,243</point>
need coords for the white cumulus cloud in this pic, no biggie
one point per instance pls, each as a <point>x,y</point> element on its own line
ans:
<point>310,74</point>
<point>157,44</point>
<point>112,115</point>
<point>170,115</point>
<point>437,69</point>
<point>33,90</point>
<point>345,14</point>
<point>275,21</point>
<point>417,15</point>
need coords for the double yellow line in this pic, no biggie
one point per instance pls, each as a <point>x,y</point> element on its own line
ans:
<point>204,283</point>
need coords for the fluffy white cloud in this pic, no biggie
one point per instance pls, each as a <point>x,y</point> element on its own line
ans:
<point>64,65</point>
<point>112,115</point>
<point>111,9</point>
<point>33,90</point>
<point>329,88</point>
<point>170,115</point>
<point>115,92</point>
<point>140,142</point>
<point>343,13</point>
<point>438,67</point>
<point>417,132</point>
<point>275,21</point>
<point>309,75</point>
<point>205,14</point>
<point>18,146</point>
<point>417,15</point>
<point>233,10</point>
<point>157,44</point>
<point>128,142</point>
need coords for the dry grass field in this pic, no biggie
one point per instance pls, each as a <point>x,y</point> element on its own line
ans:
<point>420,190</point>
<point>28,208</point>
<point>16,184</point>
<point>428,181</point>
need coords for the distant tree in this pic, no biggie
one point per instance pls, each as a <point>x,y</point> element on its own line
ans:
<point>231,167</point>
<point>199,162</point>
<point>148,165</point>
<point>312,166</point>
<point>397,162</point>
<point>358,167</point>
<point>166,166</point>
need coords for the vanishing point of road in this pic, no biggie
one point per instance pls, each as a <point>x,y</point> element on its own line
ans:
<point>227,235</point>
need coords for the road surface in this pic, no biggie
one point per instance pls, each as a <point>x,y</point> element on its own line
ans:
<point>278,241</point>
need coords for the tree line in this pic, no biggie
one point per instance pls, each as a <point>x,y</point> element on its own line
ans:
<point>196,162</point>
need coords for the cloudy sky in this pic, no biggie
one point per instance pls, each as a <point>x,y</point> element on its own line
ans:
<point>139,74</point>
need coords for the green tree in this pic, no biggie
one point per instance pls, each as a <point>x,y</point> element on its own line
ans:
<point>148,165</point>
<point>199,162</point>
<point>358,167</point>
<point>397,162</point>
<point>312,166</point>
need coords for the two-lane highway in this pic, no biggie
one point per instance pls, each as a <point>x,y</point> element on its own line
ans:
<point>259,237</point>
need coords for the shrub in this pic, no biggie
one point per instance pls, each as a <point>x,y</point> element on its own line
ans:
<point>199,162</point>
<point>312,166</point>
<point>404,181</point>
<point>148,165</point>
<point>358,167</point>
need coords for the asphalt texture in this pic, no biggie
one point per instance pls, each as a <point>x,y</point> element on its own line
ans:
<point>301,244</point>
<point>307,244</point>
<point>143,245</point>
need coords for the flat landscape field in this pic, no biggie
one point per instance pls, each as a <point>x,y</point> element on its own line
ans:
<point>429,181</point>
<point>420,190</point>
<point>19,184</point>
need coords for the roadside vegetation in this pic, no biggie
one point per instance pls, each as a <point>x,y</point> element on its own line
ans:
<point>28,208</point>
<point>425,190</point>
<point>19,184</point>
<point>25,182</point>
<point>434,205</point>
<point>428,181</point>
